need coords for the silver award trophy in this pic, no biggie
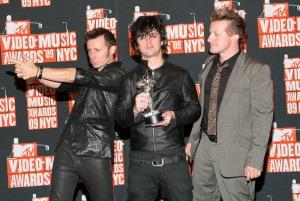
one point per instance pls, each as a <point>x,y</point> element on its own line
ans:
<point>151,116</point>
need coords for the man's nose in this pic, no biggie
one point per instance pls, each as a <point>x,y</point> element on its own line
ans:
<point>148,39</point>
<point>209,38</point>
<point>92,55</point>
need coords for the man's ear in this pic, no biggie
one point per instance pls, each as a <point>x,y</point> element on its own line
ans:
<point>164,42</point>
<point>112,49</point>
<point>235,37</point>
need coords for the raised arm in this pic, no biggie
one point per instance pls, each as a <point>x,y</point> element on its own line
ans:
<point>27,69</point>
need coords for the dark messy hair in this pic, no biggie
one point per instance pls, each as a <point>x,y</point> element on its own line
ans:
<point>109,38</point>
<point>144,25</point>
<point>237,25</point>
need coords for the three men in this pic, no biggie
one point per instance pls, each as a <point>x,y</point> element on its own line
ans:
<point>157,157</point>
<point>85,147</point>
<point>234,126</point>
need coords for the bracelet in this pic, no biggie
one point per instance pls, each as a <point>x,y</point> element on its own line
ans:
<point>37,71</point>
<point>41,72</point>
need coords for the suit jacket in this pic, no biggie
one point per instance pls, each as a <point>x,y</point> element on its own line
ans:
<point>244,118</point>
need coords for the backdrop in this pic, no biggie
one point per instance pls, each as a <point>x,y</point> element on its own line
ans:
<point>51,33</point>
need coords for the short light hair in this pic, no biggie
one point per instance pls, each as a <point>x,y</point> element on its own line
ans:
<point>237,25</point>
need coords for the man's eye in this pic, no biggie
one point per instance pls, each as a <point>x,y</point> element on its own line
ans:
<point>153,35</point>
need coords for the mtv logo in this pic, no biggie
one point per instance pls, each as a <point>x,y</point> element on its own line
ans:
<point>139,14</point>
<point>18,27</point>
<point>221,4</point>
<point>276,10</point>
<point>283,135</point>
<point>24,150</point>
<point>95,13</point>
<point>292,63</point>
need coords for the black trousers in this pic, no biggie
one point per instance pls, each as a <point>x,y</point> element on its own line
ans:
<point>68,168</point>
<point>145,180</point>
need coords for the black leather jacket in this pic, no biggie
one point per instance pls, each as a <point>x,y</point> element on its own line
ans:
<point>90,127</point>
<point>174,91</point>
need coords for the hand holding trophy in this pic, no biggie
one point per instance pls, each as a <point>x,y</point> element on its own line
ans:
<point>151,116</point>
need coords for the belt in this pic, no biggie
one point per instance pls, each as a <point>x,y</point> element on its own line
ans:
<point>162,161</point>
<point>212,138</point>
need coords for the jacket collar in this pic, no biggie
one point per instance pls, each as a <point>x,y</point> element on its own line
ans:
<point>113,64</point>
<point>231,61</point>
<point>117,64</point>
<point>144,65</point>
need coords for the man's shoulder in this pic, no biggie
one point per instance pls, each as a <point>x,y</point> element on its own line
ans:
<point>132,73</point>
<point>252,64</point>
<point>116,65</point>
<point>114,68</point>
<point>249,59</point>
<point>175,68</point>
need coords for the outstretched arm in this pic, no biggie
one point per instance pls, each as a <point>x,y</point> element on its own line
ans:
<point>27,69</point>
<point>49,83</point>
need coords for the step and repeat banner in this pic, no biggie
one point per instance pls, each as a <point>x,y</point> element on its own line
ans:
<point>51,33</point>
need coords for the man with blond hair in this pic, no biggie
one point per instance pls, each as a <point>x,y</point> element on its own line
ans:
<point>228,143</point>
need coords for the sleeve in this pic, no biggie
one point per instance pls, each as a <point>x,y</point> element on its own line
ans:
<point>106,80</point>
<point>125,117</point>
<point>66,87</point>
<point>261,116</point>
<point>190,109</point>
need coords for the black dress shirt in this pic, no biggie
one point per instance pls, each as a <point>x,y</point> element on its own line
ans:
<point>225,74</point>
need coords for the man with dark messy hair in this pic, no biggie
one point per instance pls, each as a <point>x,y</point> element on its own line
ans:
<point>85,148</point>
<point>157,156</point>
<point>228,143</point>
<point>140,29</point>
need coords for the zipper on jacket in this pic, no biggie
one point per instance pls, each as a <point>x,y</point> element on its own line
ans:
<point>154,141</point>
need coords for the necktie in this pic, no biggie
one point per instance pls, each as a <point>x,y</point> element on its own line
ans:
<point>212,110</point>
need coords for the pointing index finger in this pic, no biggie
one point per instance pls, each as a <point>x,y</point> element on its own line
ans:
<point>26,58</point>
<point>14,61</point>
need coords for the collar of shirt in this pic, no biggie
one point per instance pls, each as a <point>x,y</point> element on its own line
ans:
<point>231,61</point>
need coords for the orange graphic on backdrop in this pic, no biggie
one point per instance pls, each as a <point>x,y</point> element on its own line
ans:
<point>35,3</point>
<point>26,168</point>
<point>283,154</point>
<point>7,112</point>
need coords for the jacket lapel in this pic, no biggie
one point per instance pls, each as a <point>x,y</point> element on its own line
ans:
<point>202,78</point>
<point>233,79</point>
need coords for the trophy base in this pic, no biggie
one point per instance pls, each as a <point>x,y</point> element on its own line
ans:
<point>153,119</point>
